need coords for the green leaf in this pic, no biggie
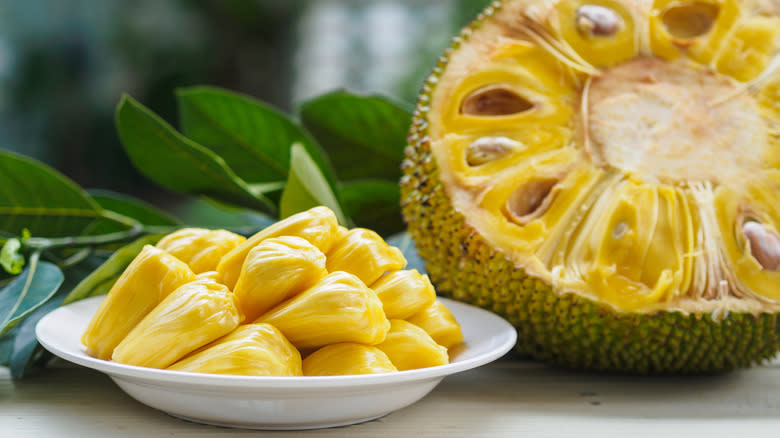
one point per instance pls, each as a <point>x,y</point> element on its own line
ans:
<point>307,187</point>
<point>25,352</point>
<point>252,137</point>
<point>373,204</point>
<point>129,206</point>
<point>33,287</point>
<point>364,136</point>
<point>178,163</point>
<point>40,199</point>
<point>19,347</point>
<point>101,279</point>
<point>10,259</point>
<point>7,345</point>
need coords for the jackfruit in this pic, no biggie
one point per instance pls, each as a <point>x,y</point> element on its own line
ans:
<point>439,323</point>
<point>149,278</point>
<point>347,359</point>
<point>404,293</point>
<point>275,270</point>
<point>409,347</point>
<point>190,317</point>
<point>364,253</point>
<point>604,174</point>
<point>318,225</point>
<point>338,308</point>
<point>201,249</point>
<point>249,350</point>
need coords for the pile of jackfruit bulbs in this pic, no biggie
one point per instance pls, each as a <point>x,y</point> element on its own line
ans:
<point>211,301</point>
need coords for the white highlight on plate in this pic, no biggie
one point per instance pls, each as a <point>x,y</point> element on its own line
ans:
<point>278,403</point>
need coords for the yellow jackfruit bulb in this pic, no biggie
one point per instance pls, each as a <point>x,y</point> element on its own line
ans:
<point>190,317</point>
<point>338,308</point>
<point>201,249</point>
<point>276,270</point>
<point>365,254</point>
<point>250,350</point>
<point>409,347</point>
<point>149,278</point>
<point>404,293</point>
<point>208,275</point>
<point>317,225</point>
<point>346,359</point>
<point>438,321</point>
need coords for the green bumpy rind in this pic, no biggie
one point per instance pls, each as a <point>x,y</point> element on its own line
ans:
<point>563,329</point>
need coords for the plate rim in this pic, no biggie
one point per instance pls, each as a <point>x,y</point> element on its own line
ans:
<point>204,380</point>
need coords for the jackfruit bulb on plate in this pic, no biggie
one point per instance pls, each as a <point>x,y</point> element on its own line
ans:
<point>200,248</point>
<point>338,308</point>
<point>249,350</point>
<point>317,225</point>
<point>151,276</point>
<point>439,323</point>
<point>347,359</point>
<point>606,175</point>
<point>410,347</point>
<point>404,293</point>
<point>190,317</point>
<point>275,270</point>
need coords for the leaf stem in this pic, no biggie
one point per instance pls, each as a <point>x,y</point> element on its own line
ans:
<point>78,257</point>
<point>136,228</point>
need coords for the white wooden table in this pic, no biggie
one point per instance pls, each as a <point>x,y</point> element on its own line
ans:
<point>509,398</point>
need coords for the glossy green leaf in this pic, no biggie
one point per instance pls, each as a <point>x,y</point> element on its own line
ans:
<point>129,206</point>
<point>172,160</point>
<point>373,204</point>
<point>307,187</point>
<point>40,199</point>
<point>100,280</point>
<point>10,259</point>
<point>252,137</point>
<point>25,352</point>
<point>28,291</point>
<point>7,345</point>
<point>364,136</point>
<point>19,347</point>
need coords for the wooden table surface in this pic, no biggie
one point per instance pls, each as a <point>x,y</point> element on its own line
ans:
<point>509,398</point>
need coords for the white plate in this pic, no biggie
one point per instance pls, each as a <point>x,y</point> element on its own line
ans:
<point>278,402</point>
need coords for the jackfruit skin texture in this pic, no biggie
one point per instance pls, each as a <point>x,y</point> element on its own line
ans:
<point>566,330</point>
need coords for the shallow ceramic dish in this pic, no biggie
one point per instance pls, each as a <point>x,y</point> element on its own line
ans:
<point>278,402</point>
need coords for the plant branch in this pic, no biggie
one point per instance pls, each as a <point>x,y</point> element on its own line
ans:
<point>136,229</point>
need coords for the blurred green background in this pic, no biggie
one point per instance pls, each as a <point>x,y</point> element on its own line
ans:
<point>65,63</point>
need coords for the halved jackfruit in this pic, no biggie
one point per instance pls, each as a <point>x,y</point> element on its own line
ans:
<point>201,249</point>
<point>190,317</point>
<point>275,270</point>
<point>249,350</point>
<point>338,308</point>
<point>151,277</point>
<point>410,347</point>
<point>346,359</point>
<point>318,225</point>
<point>604,173</point>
